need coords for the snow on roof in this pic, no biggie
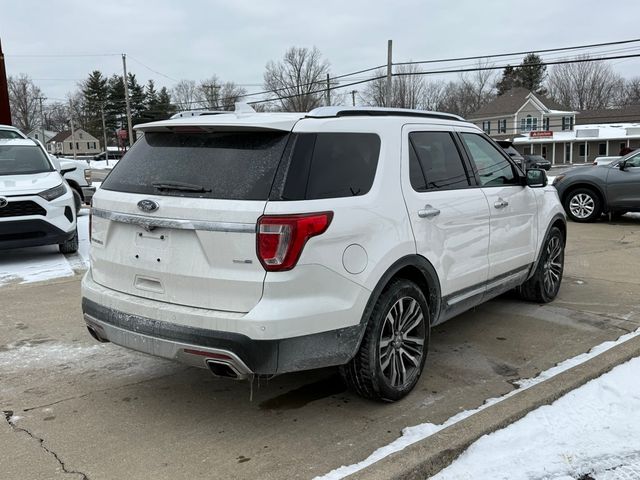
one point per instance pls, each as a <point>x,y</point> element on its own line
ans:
<point>588,132</point>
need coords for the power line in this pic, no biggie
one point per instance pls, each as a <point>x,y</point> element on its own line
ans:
<point>152,70</point>
<point>63,55</point>
<point>500,55</point>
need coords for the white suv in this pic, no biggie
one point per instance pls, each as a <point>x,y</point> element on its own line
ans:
<point>36,204</point>
<point>265,243</point>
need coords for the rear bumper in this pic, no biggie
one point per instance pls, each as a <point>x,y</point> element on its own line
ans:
<point>278,335</point>
<point>190,345</point>
<point>31,233</point>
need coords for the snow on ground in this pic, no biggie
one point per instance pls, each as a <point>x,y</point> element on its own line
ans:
<point>591,432</point>
<point>102,164</point>
<point>26,265</point>
<point>411,435</point>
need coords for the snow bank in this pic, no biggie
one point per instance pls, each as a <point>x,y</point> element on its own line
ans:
<point>592,430</point>
<point>411,435</point>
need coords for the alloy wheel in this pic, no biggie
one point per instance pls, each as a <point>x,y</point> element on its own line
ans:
<point>401,344</point>
<point>553,266</point>
<point>582,205</point>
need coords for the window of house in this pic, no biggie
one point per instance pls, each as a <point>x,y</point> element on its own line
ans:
<point>544,151</point>
<point>486,126</point>
<point>602,149</point>
<point>567,123</point>
<point>502,126</point>
<point>79,134</point>
<point>529,123</point>
<point>623,145</point>
<point>77,145</point>
<point>435,163</point>
<point>545,124</point>
<point>567,152</point>
<point>583,150</point>
<point>70,145</point>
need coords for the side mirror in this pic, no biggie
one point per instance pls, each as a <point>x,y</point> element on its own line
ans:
<point>622,166</point>
<point>537,178</point>
<point>64,171</point>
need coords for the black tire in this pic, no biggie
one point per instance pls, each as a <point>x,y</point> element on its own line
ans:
<point>366,373</point>
<point>70,246</point>
<point>544,285</point>
<point>583,205</point>
<point>77,200</point>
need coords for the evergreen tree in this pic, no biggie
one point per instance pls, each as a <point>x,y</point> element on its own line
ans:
<point>137,100</point>
<point>115,112</point>
<point>94,92</point>
<point>532,73</point>
<point>529,74</point>
<point>164,107</point>
<point>508,80</point>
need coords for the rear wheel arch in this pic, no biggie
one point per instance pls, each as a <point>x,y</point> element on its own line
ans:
<point>416,269</point>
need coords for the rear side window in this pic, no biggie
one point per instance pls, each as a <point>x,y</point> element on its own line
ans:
<point>439,164</point>
<point>222,165</point>
<point>331,165</point>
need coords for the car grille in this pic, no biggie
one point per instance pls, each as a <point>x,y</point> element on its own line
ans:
<point>21,209</point>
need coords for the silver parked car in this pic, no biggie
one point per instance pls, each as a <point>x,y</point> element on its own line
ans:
<point>586,193</point>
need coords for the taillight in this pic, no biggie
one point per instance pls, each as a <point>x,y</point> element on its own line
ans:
<point>281,238</point>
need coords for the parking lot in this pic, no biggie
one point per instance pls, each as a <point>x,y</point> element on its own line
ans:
<point>75,406</point>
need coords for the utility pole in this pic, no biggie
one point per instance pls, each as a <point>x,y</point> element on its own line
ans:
<point>5,109</point>
<point>44,140</point>
<point>126,97</point>
<point>104,135</point>
<point>328,91</point>
<point>353,97</point>
<point>389,72</point>
<point>73,131</point>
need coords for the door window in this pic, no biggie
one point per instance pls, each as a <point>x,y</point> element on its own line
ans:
<point>493,168</point>
<point>633,161</point>
<point>435,163</point>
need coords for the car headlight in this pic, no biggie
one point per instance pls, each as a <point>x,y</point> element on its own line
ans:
<point>54,192</point>
<point>558,179</point>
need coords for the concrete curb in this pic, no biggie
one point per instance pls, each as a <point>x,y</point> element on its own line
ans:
<point>427,457</point>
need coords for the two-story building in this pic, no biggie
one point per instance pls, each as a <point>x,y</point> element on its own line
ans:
<point>80,143</point>
<point>538,125</point>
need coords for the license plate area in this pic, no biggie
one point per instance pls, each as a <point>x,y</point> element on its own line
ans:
<point>153,246</point>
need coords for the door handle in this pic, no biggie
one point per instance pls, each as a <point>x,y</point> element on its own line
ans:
<point>428,212</point>
<point>501,203</point>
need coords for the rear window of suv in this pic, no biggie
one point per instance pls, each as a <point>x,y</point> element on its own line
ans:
<point>227,165</point>
<point>330,165</point>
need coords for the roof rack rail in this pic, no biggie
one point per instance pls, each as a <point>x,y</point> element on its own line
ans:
<point>328,112</point>
<point>196,113</point>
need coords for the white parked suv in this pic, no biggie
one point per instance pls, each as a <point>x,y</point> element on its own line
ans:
<point>36,204</point>
<point>265,243</point>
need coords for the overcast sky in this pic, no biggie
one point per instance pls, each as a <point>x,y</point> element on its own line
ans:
<point>235,39</point>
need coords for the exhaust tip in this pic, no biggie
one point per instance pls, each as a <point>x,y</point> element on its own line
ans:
<point>223,369</point>
<point>95,335</point>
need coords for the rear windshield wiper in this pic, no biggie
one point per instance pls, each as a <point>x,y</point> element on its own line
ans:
<point>180,186</point>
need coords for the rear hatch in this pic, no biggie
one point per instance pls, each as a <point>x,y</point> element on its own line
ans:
<point>176,218</point>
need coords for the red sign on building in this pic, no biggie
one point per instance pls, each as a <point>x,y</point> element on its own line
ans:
<point>541,134</point>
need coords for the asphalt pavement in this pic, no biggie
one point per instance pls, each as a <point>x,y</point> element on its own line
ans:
<point>78,409</point>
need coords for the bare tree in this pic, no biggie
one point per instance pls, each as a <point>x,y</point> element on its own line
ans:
<point>298,79</point>
<point>433,95</point>
<point>56,117</point>
<point>585,85</point>
<point>631,94</point>
<point>407,88</point>
<point>476,88</point>
<point>220,96</point>
<point>186,95</point>
<point>23,97</point>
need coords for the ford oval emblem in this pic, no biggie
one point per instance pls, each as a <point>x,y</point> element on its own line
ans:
<point>148,206</point>
<point>3,202</point>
